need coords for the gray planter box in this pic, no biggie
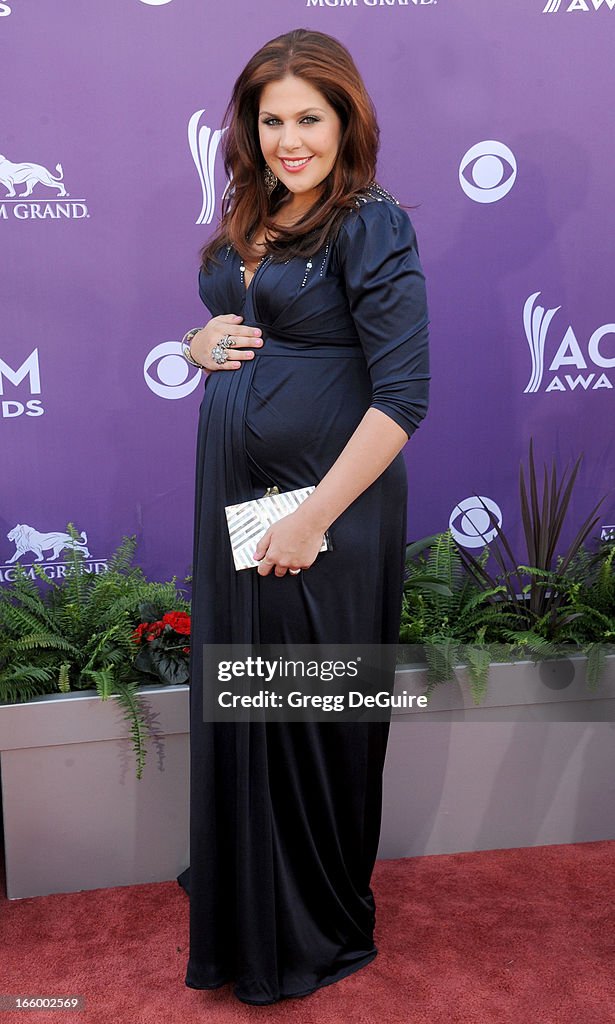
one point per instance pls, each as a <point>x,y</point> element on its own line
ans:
<point>533,765</point>
<point>75,815</point>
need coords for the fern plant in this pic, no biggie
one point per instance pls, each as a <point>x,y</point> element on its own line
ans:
<point>468,617</point>
<point>446,612</point>
<point>79,633</point>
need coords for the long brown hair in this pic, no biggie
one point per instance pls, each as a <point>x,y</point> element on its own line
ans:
<point>327,65</point>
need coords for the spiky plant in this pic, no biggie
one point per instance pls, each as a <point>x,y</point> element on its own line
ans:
<point>554,609</point>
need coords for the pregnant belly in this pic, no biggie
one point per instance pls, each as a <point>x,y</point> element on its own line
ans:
<point>300,413</point>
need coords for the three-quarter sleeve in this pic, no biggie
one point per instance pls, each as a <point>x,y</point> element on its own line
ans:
<point>385,285</point>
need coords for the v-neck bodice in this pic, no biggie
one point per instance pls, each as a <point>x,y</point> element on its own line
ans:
<point>362,295</point>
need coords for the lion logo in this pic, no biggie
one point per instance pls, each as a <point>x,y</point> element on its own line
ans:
<point>26,539</point>
<point>32,174</point>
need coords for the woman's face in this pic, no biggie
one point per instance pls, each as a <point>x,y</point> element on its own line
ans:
<point>299,134</point>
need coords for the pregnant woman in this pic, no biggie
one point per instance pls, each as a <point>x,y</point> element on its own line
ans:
<point>317,373</point>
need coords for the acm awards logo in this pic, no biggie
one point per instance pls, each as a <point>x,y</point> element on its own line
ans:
<point>13,174</point>
<point>32,545</point>
<point>587,364</point>
<point>204,143</point>
<point>553,6</point>
<point>28,375</point>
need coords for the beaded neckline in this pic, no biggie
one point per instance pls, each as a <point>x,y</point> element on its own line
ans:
<point>381,195</point>
<point>242,271</point>
<point>308,267</point>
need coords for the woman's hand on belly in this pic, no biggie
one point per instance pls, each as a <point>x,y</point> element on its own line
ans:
<point>291,543</point>
<point>219,327</point>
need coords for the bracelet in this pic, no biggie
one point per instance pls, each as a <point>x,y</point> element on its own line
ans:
<point>185,344</point>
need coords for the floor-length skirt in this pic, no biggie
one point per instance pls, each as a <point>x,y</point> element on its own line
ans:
<point>285,816</point>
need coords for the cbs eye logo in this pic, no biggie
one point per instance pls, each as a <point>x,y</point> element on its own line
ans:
<point>486,181</point>
<point>474,527</point>
<point>171,377</point>
<point>156,3</point>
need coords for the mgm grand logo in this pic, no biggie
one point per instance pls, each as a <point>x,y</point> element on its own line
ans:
<point>32,545</point>
<point>35,176</point>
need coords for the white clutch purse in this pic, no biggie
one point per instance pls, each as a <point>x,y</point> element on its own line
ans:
<point>249,520</point>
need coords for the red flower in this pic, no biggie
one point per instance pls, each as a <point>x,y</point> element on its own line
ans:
<point>137,635</point>
<point>179,621</point>
<point>155,629</point>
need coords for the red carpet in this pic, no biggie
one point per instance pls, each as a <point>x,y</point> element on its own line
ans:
<point>521,936</point>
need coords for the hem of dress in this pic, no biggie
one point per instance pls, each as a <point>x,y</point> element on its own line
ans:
<point>344,972</point>
<point>199,988</point>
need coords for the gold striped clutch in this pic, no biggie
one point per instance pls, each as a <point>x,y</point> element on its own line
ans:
<point>249,520</point>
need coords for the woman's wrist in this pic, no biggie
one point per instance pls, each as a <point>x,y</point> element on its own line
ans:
<point>185,346</point>
<point>314,515</point>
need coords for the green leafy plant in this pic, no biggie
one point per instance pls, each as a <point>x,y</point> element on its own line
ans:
<point>79,634</point>
<point>446,613</point>
<point>534,608</point>
<point>597,572</point>
<point>552,608</point>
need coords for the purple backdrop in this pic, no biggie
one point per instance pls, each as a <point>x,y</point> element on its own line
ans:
<point>496,125</point>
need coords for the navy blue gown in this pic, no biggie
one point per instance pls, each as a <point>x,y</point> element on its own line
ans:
<point>285,817</point>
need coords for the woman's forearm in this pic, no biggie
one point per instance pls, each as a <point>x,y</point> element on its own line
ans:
<point>372,447</point>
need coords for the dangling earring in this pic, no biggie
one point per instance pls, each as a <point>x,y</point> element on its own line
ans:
<point>270,179</point>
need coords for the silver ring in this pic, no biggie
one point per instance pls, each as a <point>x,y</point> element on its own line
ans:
<point>219,354</point>
<point>226,341</point>
<point>294,572</point>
